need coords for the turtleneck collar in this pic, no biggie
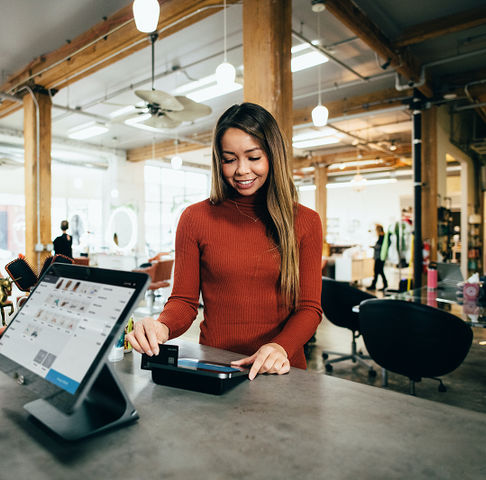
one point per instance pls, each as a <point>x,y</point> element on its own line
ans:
<point>257,199</point>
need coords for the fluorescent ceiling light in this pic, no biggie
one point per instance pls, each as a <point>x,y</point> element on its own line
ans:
<point>357,163</point>
<point>378,181</point>
<point>307,60</point>
<point>126,110</point>
<point>87,130</point>
<point>206,88</point>
<point>330,140</point>
<point>304,188</point>
<point>311,134</point>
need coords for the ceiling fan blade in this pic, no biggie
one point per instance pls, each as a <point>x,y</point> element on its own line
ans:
<point>162,99</point>
<point>127,116</point>
<point>192,110</point>
<point>161,121</point>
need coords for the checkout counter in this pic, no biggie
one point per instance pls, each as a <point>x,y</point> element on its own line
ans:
<point>302,425</point>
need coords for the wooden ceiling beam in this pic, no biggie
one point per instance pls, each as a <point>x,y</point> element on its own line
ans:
<point>351,156</point>
<point>107,42</point>
<point>442,26</point>
<point>361,25</point>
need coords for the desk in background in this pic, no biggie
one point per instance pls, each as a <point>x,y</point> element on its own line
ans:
<point>445,298</point>
<point>303,425</point>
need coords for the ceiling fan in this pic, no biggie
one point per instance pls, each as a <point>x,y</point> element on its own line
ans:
<point>166,110</point>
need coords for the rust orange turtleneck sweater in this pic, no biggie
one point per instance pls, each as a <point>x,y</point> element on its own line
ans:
<point>224,253</point>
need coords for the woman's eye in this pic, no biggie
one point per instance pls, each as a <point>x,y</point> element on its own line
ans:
<point>254,159</point>
<point>228,160</point>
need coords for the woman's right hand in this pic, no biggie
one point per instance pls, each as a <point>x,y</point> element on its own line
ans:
<point>147,334</point>
<point>2,329</point>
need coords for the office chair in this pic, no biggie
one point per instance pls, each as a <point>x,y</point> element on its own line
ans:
<point>414,340</point>
<point>160,274</point>
<point>337,301</point>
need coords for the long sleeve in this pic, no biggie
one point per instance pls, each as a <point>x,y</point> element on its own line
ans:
<point>181,308</point>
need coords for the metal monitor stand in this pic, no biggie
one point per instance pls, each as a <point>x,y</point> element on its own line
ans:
<point>106,406</point>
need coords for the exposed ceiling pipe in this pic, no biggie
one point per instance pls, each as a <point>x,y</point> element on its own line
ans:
<point>326,52</point>
<point>12,98</point>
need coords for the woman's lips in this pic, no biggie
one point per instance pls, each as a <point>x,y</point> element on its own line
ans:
<point>245,183</point>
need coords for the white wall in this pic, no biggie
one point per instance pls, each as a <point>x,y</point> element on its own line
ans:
<point>352,215</point>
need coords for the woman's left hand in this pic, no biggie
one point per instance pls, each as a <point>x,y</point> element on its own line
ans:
<point>269,358</point>
<point>2,329</point>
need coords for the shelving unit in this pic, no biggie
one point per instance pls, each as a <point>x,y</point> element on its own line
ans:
<point>474,257</point>
<point>445,233</point>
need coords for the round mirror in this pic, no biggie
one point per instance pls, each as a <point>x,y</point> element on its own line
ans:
<point>122,229</point>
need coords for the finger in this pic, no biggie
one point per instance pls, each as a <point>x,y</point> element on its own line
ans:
<point>276,367</point>
<point>256,367</point>
<point>133,342</point>
<point>244,361</point>
<point>151,334</point>
<point>285,368</point>
<point>140,335</point>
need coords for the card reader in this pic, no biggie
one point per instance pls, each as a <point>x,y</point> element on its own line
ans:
<point>190,373</point>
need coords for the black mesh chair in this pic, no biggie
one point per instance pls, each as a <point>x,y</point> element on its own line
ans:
<point>414,340</point>
<point>337,301</point>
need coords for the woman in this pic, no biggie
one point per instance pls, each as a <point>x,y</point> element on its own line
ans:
<point>251,249</point>
<point>379,263</point>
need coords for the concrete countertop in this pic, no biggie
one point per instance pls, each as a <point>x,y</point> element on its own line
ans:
<point>303,425</point>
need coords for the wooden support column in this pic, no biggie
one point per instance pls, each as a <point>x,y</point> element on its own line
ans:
<point>267,40</point>
<point>320,181</point>
<point>37,174</point>
<point>430,180</point>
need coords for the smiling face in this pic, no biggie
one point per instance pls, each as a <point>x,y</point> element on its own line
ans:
<point>245,165</point>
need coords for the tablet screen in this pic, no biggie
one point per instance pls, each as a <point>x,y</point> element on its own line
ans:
<point>63,326</point>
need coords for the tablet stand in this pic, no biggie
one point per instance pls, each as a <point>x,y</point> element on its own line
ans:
<point>105,406</point>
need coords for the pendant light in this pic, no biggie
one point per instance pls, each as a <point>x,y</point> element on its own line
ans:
<point>225,72</point>
<point>320,113</point>
<point>146,15</point>
<point>176,160</point>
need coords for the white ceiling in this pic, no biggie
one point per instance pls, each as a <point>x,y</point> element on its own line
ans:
<point>29,28</point>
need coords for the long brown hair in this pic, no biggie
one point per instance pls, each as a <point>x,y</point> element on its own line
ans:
<point>281,194</point>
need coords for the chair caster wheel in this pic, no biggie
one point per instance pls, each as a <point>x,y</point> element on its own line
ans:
<point>372,373</point>
<point>325,356</point>
<point>328,367</point>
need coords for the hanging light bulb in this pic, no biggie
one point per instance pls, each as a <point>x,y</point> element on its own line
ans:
<point>320,113</point>
<point>176,162</point>
<point>146,15</point>
<point>225,72</point>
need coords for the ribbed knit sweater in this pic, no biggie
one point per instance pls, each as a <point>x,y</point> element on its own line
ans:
<point>223,251</point>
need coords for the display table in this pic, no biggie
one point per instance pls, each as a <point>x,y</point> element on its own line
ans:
<point>350,269</point>
<point>303,425</point>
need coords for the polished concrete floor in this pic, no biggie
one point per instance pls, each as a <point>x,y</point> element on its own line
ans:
<point>466,386</point>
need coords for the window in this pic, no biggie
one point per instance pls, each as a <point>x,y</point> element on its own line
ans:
<point>167,193</point>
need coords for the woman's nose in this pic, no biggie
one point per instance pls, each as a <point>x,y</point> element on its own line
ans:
<point>242,167</point>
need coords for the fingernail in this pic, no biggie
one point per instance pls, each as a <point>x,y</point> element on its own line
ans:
<point>157,351</point>
<point>149,353</point>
